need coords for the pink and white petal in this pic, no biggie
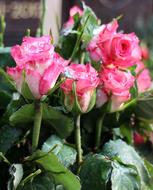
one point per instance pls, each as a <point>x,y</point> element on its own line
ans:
<point>50,77</point>
<point>33,81</point>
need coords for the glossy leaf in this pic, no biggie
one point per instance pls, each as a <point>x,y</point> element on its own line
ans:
<point>41,182</point>
<point>127,155</point>
<point>95,172</point>
<point>90,22</point>
<point>23,115</point>
<point>49,163</point>
<point>16,171</point>
<point>124,177</point>
<point>65,153</point>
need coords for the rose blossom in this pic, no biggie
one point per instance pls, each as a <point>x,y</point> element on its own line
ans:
<point>143,77</point>
<point>37,65</point>
<point>86,80</point>
<point>74,10</point>
<point>116,84</point>
<point>93,47</point>
<point>114,48</point>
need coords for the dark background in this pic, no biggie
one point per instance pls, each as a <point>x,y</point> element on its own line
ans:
<point>23,14</point>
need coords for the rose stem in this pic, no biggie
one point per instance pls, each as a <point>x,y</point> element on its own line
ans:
<point>99,126</point>
<point>78,140</point>
<point>37,125</point>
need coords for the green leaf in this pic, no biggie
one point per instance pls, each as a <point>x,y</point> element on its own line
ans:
<point>23,115</point>
<point>144,109</point>
<point>62,124</point>
<point>49,163</point>
<point>108,172</point>
<point>8,137</point>
<point>95,172</point>
<point>16,171</point>
<point>41,182</point>
<point>90,21</point>
<point>149,167</point>
<point>127,155</point>
<point>124,177</point>
<point>65,153</point>
<point>3,158</point>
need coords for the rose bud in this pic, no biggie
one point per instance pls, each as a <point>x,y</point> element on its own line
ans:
<point>116,84</point>
<point>80,87</point>
<point>73,11</point>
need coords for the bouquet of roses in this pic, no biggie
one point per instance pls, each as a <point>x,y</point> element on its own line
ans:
<point>72,113</point>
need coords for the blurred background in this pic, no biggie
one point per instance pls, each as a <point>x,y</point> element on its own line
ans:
<point>20,15</point>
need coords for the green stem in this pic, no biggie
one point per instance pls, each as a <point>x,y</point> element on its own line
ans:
<point>78,41</point>
<point>37,125</point>
<point>82,58</point>
<point>78,140</point>
<point>99,131</point>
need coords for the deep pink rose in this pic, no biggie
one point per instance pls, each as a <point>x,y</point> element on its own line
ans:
<point>93,46</point>
<point>143,77</point>
<point>116,84</point>
<point>74,10</point>
<point>86,80</point>
<point>110,47</point>
<point>39,66</point>
<point>120,49</point>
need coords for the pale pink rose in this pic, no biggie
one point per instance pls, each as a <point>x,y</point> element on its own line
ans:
<point>117,85</point>
<point>86,80</point>
<point>74,10</point>
<point>106,31</point>
<point>143,77</point>
<point>38,71</point>
<point>121,50</point>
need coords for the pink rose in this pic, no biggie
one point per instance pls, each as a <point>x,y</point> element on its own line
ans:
<point>116,84</point>
<point>110,47</point>
<point>86,80</point>
<point>145,52</point>
<point>74,10</point>
<point>33,50</point>
<point>121,50</point>
<point>143,77</point>
<point>39,72</point>
<point>93,46</point>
